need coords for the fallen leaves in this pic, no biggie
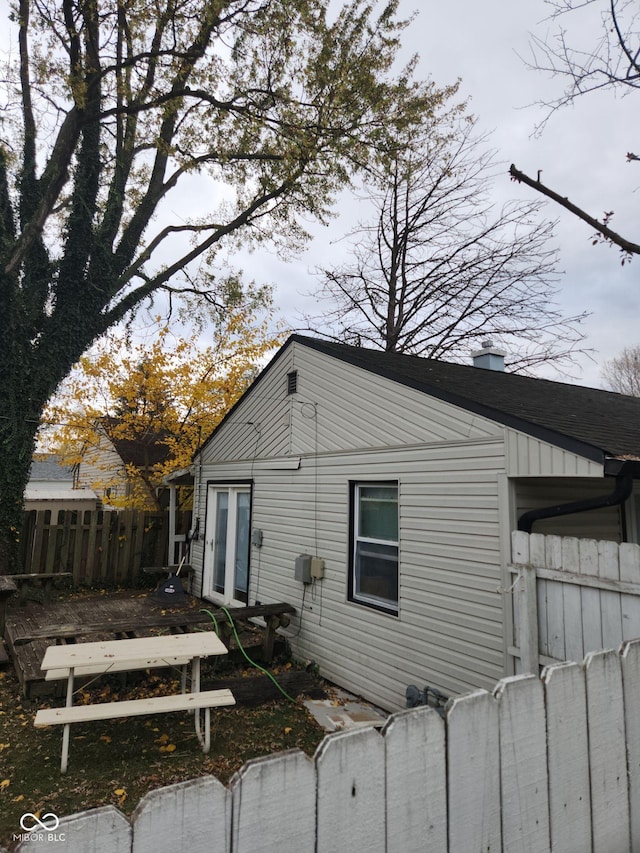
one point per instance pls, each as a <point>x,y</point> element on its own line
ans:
<point>117,763</point>
<point>165,745</point>
<point>4,784</point>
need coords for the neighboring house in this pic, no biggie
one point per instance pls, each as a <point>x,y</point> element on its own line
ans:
<point>51,487</point>
<point>121,470</point>
<point>404,477</point>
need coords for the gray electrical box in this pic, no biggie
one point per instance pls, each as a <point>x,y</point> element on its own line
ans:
<point>256,537</point>
<point>303,568</point>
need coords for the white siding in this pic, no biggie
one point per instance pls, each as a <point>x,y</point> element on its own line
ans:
<point>530,457</point>
<point>102,468</point>
<point>259,427</point>
<point>344,424</point>
<point>337,407</point>
<point>449,629</point>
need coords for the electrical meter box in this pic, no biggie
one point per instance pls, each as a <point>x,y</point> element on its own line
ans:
<point>317,568</point>
<point>303,568</point>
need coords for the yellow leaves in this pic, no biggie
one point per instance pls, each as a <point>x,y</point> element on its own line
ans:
<point>4,784</point>
<point>288,730</point>
<point>18,799</point>
<point>121,794</point>
<point>165,745</point>
<point>174,390</point>
<point>4,746</point>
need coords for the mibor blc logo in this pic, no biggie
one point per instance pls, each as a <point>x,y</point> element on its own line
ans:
<point>32,823</point>
<point>36,827</point>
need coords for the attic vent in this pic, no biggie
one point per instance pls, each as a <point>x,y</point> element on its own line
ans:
<point>292,382</point>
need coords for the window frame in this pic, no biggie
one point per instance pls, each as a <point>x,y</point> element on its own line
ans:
<point>383,605</point>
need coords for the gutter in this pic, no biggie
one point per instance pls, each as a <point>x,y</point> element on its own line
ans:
<point>624,470</point>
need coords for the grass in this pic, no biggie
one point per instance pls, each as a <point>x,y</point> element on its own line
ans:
<point>118,761</point>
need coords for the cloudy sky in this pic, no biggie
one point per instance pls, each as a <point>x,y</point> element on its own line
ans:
<point>582,153</point>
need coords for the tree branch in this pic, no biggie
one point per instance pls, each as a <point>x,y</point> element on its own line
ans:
<point>600,227</point>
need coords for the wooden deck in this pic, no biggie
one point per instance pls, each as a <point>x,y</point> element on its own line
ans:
<point>31,628</point>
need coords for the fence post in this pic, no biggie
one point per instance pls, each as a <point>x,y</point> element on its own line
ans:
<point>528,605</point>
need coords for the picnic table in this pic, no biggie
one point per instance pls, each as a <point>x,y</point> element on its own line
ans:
<point>175,650</point>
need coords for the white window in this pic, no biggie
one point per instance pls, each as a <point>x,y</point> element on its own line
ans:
<point>374,545</point>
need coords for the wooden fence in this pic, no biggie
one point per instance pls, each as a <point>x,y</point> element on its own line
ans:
<point>571,597</point>
<point>96,546</point>
<point>539,764</point>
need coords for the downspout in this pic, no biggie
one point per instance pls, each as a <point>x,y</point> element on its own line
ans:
<point>622,491</point>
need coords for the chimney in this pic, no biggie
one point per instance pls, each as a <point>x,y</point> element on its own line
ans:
<point>489,357</point>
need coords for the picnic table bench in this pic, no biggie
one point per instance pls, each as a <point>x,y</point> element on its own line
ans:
<point>203,700</point>
<point>8,587</point>
<point>25,580</point>
<point>11,585</point>
<point>118,655</point>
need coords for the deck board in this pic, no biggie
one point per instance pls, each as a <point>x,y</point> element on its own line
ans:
<point>31,628</point>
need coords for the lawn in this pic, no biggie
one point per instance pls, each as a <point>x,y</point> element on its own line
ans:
<point>118,761</point>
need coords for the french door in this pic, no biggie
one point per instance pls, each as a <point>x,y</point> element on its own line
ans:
<point>226,556</point>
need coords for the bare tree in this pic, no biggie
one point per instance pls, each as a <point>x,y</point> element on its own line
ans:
<point>440,267</point>
<point>611,62</point>
<point>622,373</point>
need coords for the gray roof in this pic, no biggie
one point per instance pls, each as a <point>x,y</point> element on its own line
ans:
<point>585,420</point>
<point>48,469</point>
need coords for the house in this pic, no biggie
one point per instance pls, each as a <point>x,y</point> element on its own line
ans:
<point>377,493</point>
<point>121,469</point>
<point>51,487</point>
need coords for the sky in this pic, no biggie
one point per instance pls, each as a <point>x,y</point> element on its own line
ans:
<point>581,152</point>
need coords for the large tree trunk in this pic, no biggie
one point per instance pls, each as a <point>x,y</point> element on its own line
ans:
<point>17,441</point>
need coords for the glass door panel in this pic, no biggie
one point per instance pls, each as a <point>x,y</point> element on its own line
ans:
<point>220,544</point>
<point>241,574</point>
<point>227,546</point>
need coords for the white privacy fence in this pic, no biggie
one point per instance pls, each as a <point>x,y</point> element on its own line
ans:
<point>571,597</point>
<point>537,765</point>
